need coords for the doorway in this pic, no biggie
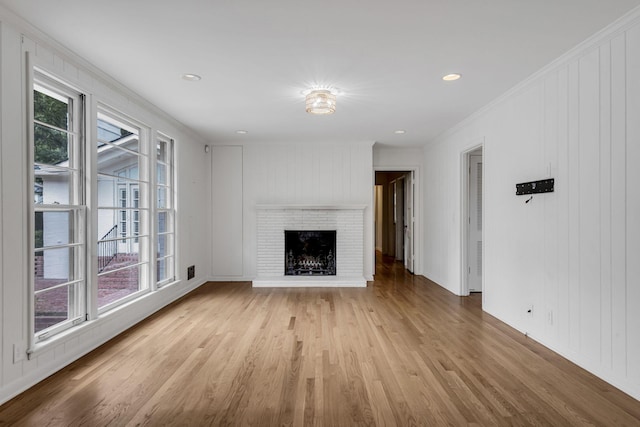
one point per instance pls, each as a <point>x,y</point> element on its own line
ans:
<point>473,221</point>
<point>394,219</point>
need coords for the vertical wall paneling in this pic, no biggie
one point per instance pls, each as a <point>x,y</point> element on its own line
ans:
<point>573,194</point>
<point>563,188</point>
<point>591,134</point>
<point>227,224</point>
<point>2,136</point>
<point>14,205</point>
<point>618,204</point>
<point>605,204</point>
<point>550,160</point>
<point>588,207</point>
<point>633,203</point>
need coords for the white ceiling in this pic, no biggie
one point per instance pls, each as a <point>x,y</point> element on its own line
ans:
<point>256,56</point>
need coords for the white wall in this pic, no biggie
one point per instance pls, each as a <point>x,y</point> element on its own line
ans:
<point>227,222</point>
<point>318,174</point>
<point>388,158</point>
<point>573,254</point>
<point>193,199</point>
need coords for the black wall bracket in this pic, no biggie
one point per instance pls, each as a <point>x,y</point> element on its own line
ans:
<point>542,186</point>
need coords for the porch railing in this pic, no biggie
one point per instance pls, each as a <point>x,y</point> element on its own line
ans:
<point>107,248</point>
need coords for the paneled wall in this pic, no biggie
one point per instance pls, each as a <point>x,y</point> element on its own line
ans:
<point>227,184</point>
<point>571,256</point>
<point>193,199</point>
<point>318,174</point>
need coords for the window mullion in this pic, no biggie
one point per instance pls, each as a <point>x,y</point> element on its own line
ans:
<point>91,194</point>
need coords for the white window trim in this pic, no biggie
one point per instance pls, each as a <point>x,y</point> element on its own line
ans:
<point>49,85</point>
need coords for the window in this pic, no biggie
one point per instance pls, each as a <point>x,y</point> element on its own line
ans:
<point>123,239</point>
<point>129,193</point>
<point>165,211</point>
<point>58,212</point>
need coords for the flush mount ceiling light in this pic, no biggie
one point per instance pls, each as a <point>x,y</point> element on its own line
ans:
<point>242,132</point>
<point>399,131</point>
<point>191,77</point>
<point>320,101</point>
<point>451,77</point>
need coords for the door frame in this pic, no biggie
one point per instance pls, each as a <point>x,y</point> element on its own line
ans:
<point>399,219</point>
<point>464,213</point>
<point>409,207</point>
<point>417,213</point>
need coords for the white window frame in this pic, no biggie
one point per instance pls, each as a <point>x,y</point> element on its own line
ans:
<point>143,237</point>
<point>39,80</point>
<point>169,209</point>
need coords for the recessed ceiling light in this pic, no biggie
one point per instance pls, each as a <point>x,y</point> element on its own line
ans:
<point>399,131</point>
<point>242,132</point>
<point>191,77</point>
<point>451,77</point>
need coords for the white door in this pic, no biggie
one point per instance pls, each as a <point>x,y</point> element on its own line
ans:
<point>409,186</point>
<point>474,246</point>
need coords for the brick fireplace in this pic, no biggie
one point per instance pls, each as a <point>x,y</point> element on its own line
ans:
<point>347,221</point>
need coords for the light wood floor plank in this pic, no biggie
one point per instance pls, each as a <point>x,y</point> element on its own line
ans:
<point>400,352</point>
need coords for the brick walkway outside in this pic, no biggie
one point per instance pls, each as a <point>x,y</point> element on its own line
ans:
<point>51,306</point>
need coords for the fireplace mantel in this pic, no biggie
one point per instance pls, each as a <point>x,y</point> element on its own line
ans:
<point>346,220</point>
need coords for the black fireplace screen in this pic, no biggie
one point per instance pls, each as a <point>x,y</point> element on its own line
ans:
<point>309,253</point>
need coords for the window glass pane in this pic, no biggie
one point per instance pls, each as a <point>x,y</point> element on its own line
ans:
<point>116,285</point>
<point>107,247</point>
<point>162,174</point>
<point>53,228</point>
<point>110,132</point>
<point>163,268</point>
<point>56,172</point>
<point>111,160</point>
<point>52,307</point>
<point>51,145</point>
<point>125,221</point>
<point>52,186</point>
<point>161,151</point>
<point>162,222</point>
<point>162,198</point>
<point>107,225</point>
<point>164,245</point>
<point>50,110</point>
<point>52,267</point>
<point>38,191</point>
<point>125,256</point>
<point>117,193</point>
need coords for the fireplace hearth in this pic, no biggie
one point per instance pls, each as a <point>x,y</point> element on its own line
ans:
<point>310,252</point>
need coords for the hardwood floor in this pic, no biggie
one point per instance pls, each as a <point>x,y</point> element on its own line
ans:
<point>401,352</point>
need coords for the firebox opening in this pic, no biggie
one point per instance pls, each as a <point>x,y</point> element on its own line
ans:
<point>310,252</point>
